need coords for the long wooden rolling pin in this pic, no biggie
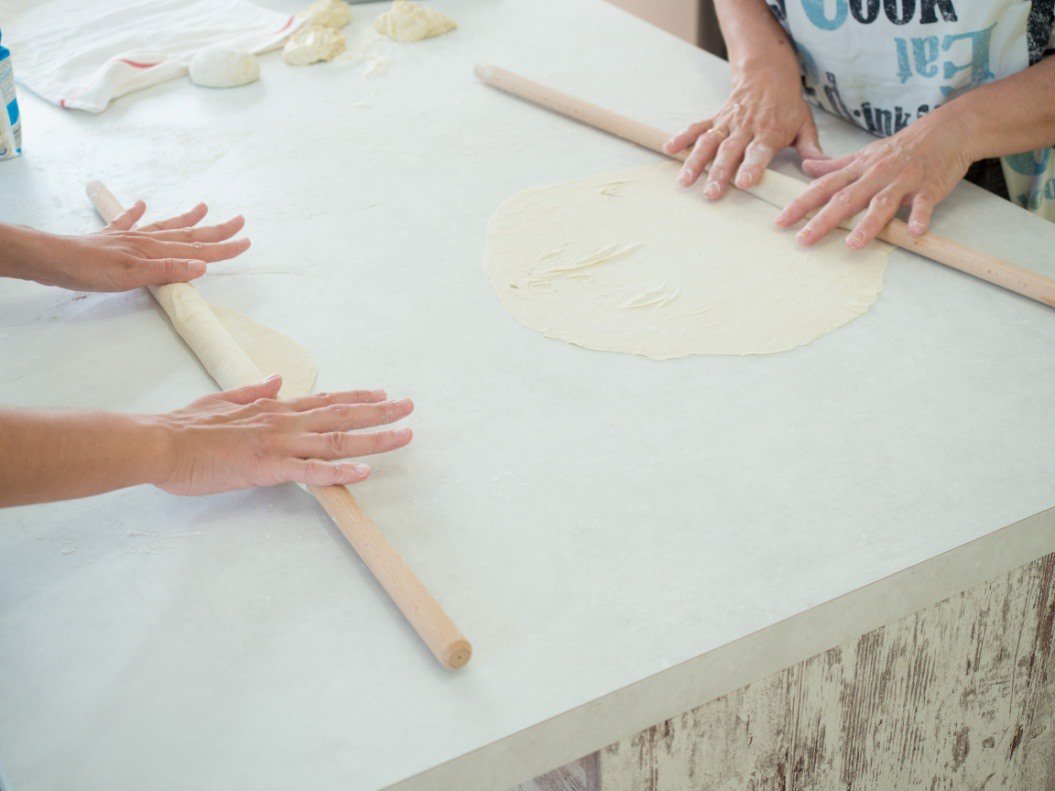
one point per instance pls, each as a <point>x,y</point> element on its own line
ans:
<point>944,251</point>
<point>231,367</point>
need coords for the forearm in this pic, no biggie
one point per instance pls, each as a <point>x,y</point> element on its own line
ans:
<point>754,38</point>
<point>1008,116</point>
<point>60,455</point>
<point>23,252</point>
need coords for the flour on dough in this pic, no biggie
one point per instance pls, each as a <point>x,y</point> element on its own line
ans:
<point>328,13</point>
<point>311,44</point>
<point>407,21</point>
<point>631,262</point>
<point>271,351</point>
<point>219,67</point>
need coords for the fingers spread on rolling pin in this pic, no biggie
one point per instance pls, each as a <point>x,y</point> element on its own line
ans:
<point>161,271</point>
<point>333,445</point>
<point>702,153</point>
<point>843,204</point>
<point>345,417</point>
<point>317,400</point>
<point>922,208</point>
<point>202,251</point>
<point>126,219</point>
<point>205,233</point>
<point>816,168</point>
<point>757,157</point>
<point>686,137</point>
<point>322,473</point>
<point>727,160</point>
<point>881,210</point>
<point>815,195</point>
<point>185,220</point>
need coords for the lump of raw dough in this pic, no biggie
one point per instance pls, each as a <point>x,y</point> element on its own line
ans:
<point>328,13</point>
<point>407,21</point>
<point>313,43</point>
<point>217,67</point>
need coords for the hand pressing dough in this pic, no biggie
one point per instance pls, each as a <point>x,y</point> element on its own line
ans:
<point>218,67</point>
<point>328,13</point>
<point>631,262</point>
<point>311,44</point>
<point>407,21</point>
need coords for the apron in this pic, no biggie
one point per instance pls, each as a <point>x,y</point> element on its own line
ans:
<point>881,64</point>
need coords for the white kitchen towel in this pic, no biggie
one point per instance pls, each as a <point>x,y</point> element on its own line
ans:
<point>82,54</point>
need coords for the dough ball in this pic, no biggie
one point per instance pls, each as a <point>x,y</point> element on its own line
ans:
<point>313,43</point>
<point>407,21</point>
<point>217,67</point>
<point>328,13</point>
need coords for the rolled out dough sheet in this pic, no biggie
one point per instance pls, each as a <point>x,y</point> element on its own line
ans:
<point>629,261</point>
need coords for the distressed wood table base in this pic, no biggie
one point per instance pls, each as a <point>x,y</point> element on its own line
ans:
<point>960,695</point>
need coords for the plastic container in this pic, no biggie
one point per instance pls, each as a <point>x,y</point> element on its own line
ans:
<point>10,120</point>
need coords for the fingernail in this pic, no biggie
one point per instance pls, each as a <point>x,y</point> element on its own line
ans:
<point>781,219</point>
<point>855,240</point>
<point>685,177</point>
<point>743,180</point>
<point>361,469</point>
<point>804,236</point>
<point>401,432</point>
<point>272,378</point>
<point>403,402</point>
<point>917,228</point>
<point>197,268</point>
<point>712,189</point>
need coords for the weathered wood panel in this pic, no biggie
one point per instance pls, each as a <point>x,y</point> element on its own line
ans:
<point>958,696</point>
<point>581,775</point>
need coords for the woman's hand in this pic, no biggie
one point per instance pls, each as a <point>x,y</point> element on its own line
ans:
<point>245,437</point>
<point>765,113</point>
<point>119,258</point>
<point>230,440</point>
<point>918,166</point>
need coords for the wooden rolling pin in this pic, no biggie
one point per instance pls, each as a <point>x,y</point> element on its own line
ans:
<point>231,367</point>
<point>944,251</point>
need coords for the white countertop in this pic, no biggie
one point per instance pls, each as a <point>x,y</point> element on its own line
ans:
<point>588,519</point>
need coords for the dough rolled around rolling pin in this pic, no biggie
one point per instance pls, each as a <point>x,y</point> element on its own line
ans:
<point>226,361</point>
<point>211,334</point>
